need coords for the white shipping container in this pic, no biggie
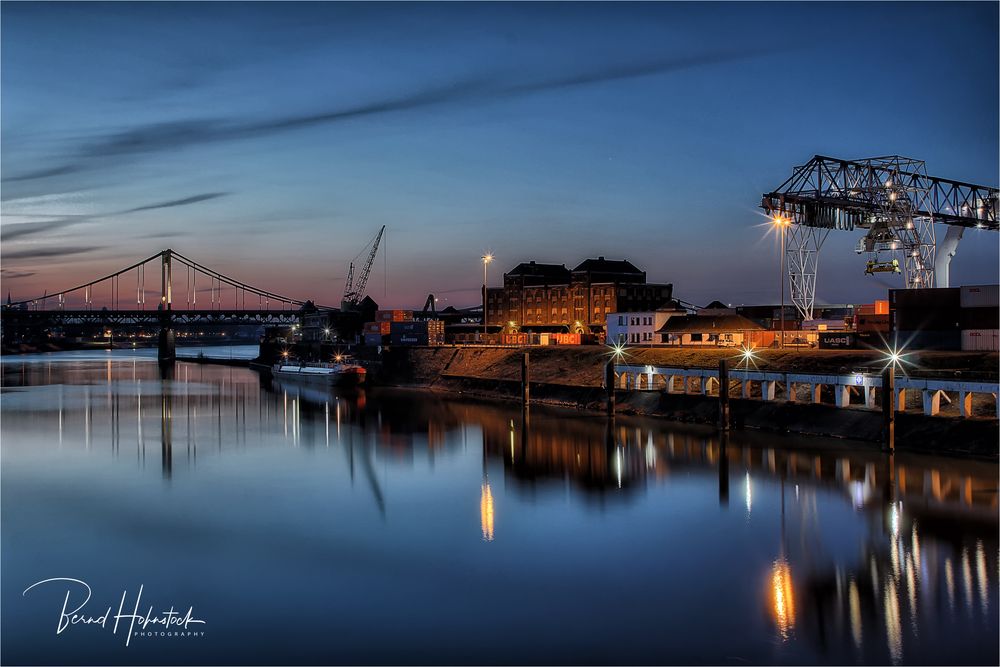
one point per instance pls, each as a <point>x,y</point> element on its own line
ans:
<point>980,296</point>
<point>981,340</point>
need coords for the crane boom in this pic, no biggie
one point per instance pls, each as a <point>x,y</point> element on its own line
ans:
<point>354,293</point>
<point>893,200</point>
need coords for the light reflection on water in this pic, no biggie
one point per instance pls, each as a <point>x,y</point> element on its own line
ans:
<point>334,522</point>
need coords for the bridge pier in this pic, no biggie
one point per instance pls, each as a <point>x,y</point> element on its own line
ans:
<point>166,352</point>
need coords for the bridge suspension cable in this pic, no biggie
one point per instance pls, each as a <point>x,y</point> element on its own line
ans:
<point>166,257</point>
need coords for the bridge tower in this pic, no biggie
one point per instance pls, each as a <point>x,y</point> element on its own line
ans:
<point>167,347</point>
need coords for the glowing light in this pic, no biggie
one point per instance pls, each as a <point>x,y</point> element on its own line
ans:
<point>486,512</point>
<point>487,258</point>
<point>895,357</point>
<point>780,220</point>
<point>285,354</point>
<point>617,351</point>
<point>782,597</point>
<point>326,331</point>
<point>748,356</point>
<point>339,358</point>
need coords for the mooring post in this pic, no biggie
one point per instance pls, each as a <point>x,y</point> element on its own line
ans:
<point>724,394</point>
<point>525,392</point>
<point>889,409</point>
<point>609,384</point>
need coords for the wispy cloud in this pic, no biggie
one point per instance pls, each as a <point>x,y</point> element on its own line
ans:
<point>42,173</point>
<point>11,275</point>
<point>10,232</point>
<point>50,251</point>
<point>176,135</point>
<point>176,202</point>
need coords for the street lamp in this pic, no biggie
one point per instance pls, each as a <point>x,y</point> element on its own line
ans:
<point>782,224</point>
<point>487,258</point>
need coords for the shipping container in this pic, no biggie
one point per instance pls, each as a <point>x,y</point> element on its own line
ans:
<point>979,318</point>
<point>836,340</point>
<point>393,315</point>
<point>566,338</point>
<point>381,328</point>
<point>981,340</point>
<point>925,296</point>
<point>424,332</point>
<point>929,339</point>
<point>408,338</point>
<point>980,296</point>
<point>877,308</point>
<point>925,309</point>
<point>871,323</point>
<point>374,339</point>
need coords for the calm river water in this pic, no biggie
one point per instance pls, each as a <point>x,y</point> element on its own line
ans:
<point>306,526</point>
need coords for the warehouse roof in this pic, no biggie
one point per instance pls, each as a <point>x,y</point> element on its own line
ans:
<point>555,272</point>
<point>601,265</point>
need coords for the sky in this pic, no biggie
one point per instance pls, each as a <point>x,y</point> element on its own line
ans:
<point>271,141</point>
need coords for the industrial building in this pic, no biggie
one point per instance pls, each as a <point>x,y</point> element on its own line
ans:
<point>711,330</point>
<point>640,328</point>
<point>551,298</point>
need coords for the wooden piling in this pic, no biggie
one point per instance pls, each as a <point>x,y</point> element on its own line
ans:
<point>889,409</point>
<point>609,385</point>
<point>525,392</point>
<point>724,394</point>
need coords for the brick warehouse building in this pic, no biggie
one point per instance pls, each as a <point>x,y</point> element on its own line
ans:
<point>550,297</point>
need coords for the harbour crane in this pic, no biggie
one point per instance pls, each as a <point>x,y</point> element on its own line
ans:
<point>355,292</point>
<point>894,200</point>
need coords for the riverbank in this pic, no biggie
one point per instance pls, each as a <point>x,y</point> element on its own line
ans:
<point>572,377</point>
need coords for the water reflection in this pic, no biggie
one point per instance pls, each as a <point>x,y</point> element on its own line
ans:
<point>908,567</point>
<point>782,597</point>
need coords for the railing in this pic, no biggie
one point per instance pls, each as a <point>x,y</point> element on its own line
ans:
<point>932,390</point>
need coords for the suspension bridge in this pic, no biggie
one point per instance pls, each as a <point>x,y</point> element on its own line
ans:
<point>184,294</point>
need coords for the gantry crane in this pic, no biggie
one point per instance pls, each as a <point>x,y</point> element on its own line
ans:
<point>354,293</point>
<point>894,200</point>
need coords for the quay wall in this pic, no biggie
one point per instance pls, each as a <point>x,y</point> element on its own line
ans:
<point>572,377</point>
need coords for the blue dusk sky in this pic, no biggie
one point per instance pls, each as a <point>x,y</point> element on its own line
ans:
<point>270,141</point>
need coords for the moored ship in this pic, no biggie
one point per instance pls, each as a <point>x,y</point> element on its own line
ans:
<point>332,374</point>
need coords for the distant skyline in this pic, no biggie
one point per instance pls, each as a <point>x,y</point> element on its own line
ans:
<point>270,141</point>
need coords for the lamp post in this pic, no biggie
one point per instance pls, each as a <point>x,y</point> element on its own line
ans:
<point>487,258</point>
<point>782,224</point>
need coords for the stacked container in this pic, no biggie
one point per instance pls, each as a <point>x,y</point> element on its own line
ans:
<point>926,318</point>
<point>980,317</point>
<point>425,332</point>
<point>393,315</point>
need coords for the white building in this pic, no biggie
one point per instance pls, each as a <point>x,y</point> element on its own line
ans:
<point>638,328</point>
